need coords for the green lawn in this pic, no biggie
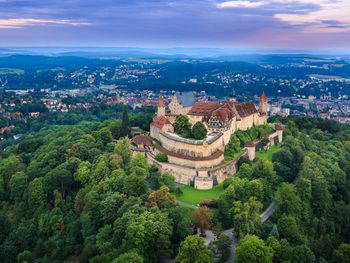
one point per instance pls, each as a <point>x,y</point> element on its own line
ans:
<point>11,71</point>
<point>267,155</point>
<point>193,196</point>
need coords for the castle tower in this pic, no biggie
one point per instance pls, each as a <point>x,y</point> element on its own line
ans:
<point>161,107</point>
<point>263,104</point>
<point>233,97</point>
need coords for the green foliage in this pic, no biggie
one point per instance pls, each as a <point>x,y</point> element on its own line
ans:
<point>342,254</point>
<point>36,193</point>
<point>193,250</point>
<point>67,196</point>
<point>199,132</point>
<point>130,256</point>
<point>125,126</point>
<point>252,249</point>
<point>182,126</point>
<point>240,138</point>
<point>223,245</point>
<point>161,157</point>
<point>123,149</point>
<point>246,217</point>
<point>301,254</point>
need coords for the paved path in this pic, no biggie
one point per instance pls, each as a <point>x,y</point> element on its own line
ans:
<point>187,205</point>
<point>229,232</point>
<point>268,212</point>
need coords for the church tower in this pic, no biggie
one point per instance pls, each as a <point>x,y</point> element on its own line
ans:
<point>161,107</point>
<point>263,104</point>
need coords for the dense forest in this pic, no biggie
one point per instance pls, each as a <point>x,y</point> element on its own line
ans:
<point>73,192</point>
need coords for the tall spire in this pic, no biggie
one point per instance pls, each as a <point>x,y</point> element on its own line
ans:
<point>263,97</point>
<point>161,107</point>
<point>161,102</point>
<point>263,105</point>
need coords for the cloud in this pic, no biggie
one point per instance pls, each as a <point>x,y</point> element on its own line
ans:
<point>299,13</point>
<point>22,22</point>
<point>227,23</point>
<point>239,4</point>
<point>328,11</point>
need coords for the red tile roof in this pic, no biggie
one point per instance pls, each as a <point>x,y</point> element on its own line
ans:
<point>223,110</point>
<point>223,114</point>
<point>160,121</point>
<point>142,140</point>
<point>245,109</point>
<point>203,108</point>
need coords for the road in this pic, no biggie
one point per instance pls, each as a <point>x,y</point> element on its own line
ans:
<point>229,232</point>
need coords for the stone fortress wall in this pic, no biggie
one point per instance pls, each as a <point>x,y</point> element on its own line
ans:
<point>193,148</point>
<point>206,176</point>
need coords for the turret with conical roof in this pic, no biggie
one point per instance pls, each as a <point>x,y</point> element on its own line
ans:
<point>263,104</point>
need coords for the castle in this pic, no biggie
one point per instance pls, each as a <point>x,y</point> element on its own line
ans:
<point>199,161</point>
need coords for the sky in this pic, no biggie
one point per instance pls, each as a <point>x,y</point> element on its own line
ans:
<point>285,24</point>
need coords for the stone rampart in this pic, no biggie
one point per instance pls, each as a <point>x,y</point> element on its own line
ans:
<point>187,147</point>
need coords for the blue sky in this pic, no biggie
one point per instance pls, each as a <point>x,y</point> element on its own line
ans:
<point>296,24</point>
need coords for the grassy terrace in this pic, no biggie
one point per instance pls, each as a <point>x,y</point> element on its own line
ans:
<point>267,155</point>
<point>193,196</point>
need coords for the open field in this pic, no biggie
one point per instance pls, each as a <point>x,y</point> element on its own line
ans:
<point>267,155</point>
<point>193,196</point>
<point>4,71</point>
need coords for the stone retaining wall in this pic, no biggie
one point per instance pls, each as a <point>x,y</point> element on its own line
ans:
<point>188,147</point>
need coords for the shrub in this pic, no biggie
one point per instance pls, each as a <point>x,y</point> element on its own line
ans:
<point>199,132</point>
<point>161,157</point>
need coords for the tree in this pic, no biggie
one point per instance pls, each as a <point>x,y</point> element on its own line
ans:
<point>139,165</point>
<point>182,126</point>
<point>288,228</point>
<point>342,254</point>
<point>123,149</point>
<point>301,254</point>
<point>203,218</point>
<point>193,250</point>
<point>182,222</point>
<point>149,233</point>
<point>199,132</point>
<point>161,198</point>
<point>36,193</point>
<point>246,216</point>
<point>288,201</point>
<point>104,135</point>
<point>125,127</point>
<point>264,142</point>
<point>83,173</point>
<point>104,239</point>
<point>252,249</point>
<point>10,166</point>
<point>18,185</point>
<point>168,180</point>
<point>134,185</point>
<point>25,257</point>
<point>131,256</point>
